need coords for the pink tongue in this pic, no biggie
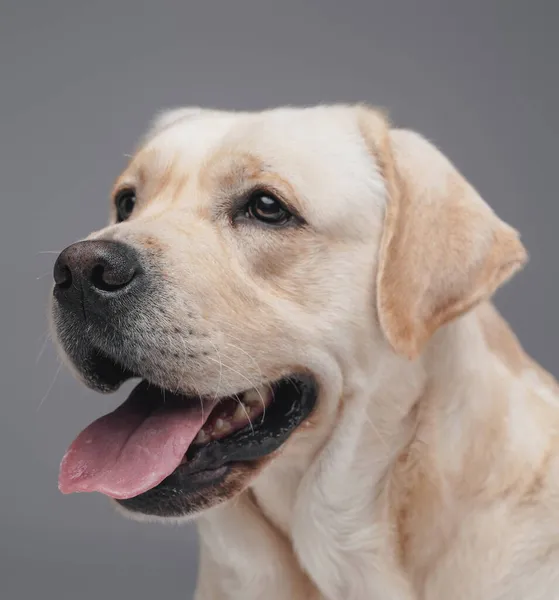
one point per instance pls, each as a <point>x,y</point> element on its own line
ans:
<point>132,449</point>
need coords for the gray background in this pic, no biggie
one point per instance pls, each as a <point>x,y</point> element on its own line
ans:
<point>79,81</point>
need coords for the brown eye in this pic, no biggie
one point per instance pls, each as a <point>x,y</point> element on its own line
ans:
<point>125,202</point>
<point>264,207</point>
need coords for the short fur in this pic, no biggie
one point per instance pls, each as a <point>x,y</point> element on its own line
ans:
<point>429,469</point>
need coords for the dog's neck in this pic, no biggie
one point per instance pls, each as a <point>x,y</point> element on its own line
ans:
<point>404,453</point>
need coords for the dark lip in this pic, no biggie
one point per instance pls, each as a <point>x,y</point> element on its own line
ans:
<point>105,374</point>
<point>293,402</point>
<point>207,467</point>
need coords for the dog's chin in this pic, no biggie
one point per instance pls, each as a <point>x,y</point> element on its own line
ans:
<point>182,497</point>
<point>240,435</point>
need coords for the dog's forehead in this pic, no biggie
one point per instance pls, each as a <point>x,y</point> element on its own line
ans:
<point>320,152</point>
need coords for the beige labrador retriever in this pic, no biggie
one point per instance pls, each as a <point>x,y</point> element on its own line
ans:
<point>325,385</point>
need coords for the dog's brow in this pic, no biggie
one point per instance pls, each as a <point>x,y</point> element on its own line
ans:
<point>232,175</point>
<point>132,176</point>
<point>226,170</point>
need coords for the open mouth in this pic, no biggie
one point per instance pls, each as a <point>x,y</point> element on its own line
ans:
<point>157,435</point>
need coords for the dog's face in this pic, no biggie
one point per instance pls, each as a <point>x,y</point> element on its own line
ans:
<point>255,267</point>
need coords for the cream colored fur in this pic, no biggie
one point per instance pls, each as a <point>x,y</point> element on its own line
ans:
<point>430,469</point>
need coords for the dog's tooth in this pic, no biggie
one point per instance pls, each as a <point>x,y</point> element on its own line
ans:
<point>202,437</point>
<point>240,413</point>
<point>253,397</point>
<point>221,426</point>
<point>266,392</point>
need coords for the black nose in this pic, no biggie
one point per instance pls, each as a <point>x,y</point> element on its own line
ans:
<point>95,267</point>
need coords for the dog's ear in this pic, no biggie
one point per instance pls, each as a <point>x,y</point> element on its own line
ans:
<point>443,249</point>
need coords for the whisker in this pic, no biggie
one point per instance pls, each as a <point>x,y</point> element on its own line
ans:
<point>224,327</point>
<point>50,386</point>
<point>246,412</point>
<point>49,252</point>
<point>220,369</point>
<point>244,377</point>
<point>43,347</point>
<point>225,333</point>
<point>199,396</point>
<point>246,354</point>
<point>259,370</point>
<point>376,431</point>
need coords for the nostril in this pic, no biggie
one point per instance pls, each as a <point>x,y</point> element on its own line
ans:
<point>110,280</point>
<point>95,267</point>
<point>97,277</point>
<point>62,276</point>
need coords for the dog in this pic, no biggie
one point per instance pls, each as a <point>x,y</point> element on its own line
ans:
<point>326,385</point>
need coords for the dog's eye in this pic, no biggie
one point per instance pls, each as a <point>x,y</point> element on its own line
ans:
<point>125,202</point>
<point>264,207</point>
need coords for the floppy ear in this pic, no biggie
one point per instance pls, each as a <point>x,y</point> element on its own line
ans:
<point>443,249</point>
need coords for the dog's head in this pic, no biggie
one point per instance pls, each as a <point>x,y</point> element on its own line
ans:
<point>255,268</point>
